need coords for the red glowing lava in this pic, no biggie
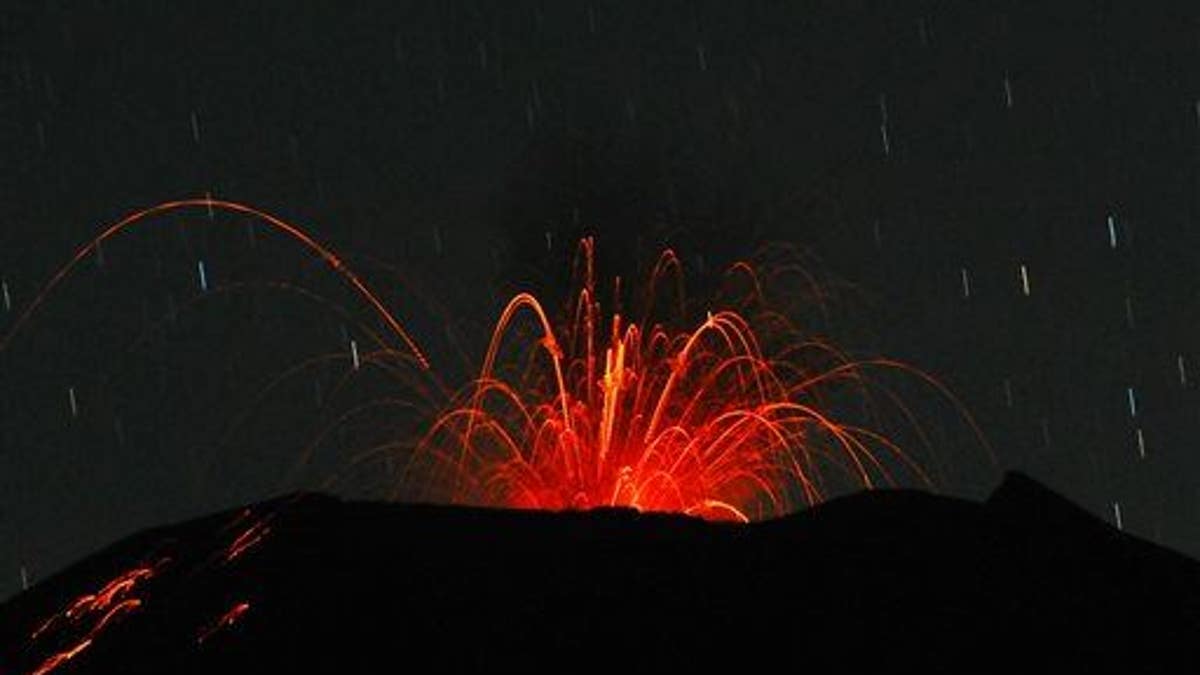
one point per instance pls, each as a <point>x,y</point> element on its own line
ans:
<point>735,413</point>
<point>87,616</point>
<point>250,537</point>
<point>602,410</point>
<point>294,232</point>
<point>226,620</point>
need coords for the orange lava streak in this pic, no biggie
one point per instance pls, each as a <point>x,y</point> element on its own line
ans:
<point>649,415</point>
<point>227,619</point>
<point>61,658</point>
<point>89,603</point>
<point>112,591</point>
<point>117,609</point>
<point>291,230</point>
<point>109,603</point>
<point>249,537</point>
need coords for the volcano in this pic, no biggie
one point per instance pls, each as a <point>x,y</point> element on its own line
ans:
<point>313,583</point>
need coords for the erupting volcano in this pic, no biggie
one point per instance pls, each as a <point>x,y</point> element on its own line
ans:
<point>727,411</point>
<point>733,410</point>
<point>725,418</point>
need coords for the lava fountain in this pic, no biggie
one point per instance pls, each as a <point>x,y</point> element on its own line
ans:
<point>728,414</point>
<point>725,418</point>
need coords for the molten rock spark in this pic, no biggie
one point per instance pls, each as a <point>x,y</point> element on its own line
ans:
<point>600,410</point>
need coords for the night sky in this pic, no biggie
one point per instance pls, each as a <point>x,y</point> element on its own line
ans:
<point>1006,196</point>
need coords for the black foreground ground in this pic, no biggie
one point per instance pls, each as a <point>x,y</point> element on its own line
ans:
<point>309,583</point>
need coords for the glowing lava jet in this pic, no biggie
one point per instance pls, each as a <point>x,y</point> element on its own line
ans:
<point>729,416</point>
<point>601,410</point>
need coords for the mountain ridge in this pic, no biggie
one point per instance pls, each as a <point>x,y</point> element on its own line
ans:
<point>308,582</point>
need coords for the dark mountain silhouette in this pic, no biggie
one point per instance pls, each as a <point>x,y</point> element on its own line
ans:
<point>310,583</point>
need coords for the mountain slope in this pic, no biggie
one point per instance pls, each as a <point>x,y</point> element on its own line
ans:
<point>310,583</point>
